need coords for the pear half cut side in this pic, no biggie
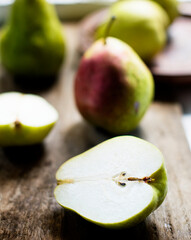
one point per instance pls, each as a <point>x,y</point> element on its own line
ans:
<point>116,184</point>
<point>24,118</point>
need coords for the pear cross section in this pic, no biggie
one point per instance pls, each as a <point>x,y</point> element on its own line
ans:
<point>25,119</point>
<point>116,184</point>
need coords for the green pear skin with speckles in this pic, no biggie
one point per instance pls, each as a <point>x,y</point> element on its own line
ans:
<point>32,42</point>
<point>113,86</point>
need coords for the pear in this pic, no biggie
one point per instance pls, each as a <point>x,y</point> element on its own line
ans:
<point>32,42</point>
<point>116,184</point>
<point>24,119</point>
<point>113,87</point>
<point>170,6</point>
<point>141,24</point>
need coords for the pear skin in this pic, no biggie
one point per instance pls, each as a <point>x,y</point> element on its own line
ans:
<point>141,24</point>
<point>170,6</point>
<point>113,87</point>
<point>32,43</point>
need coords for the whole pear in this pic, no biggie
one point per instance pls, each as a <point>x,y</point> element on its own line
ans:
<point>141,24</point>
<point>32,42</point>
<point>113,87</point>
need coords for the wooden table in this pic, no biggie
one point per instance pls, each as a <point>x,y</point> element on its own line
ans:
<point>28,209</point>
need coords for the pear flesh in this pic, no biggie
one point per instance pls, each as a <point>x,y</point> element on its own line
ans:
<point>115,184</point>
<point>24,119</point>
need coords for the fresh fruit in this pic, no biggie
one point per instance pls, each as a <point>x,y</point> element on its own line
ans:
<point>141,24</point>
<point>170,6</point>
<point>32,43</point>
<point>113,87</point>
<point>116,184</point>
<point>24,119</point>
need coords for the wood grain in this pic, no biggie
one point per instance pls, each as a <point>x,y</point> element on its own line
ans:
<point>28,209</point>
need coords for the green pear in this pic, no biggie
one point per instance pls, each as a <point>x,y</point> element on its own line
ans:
<point>32,42</point>
<point>113,86</point>
<point>116,184</point>
<point>141,24</point>
<point>24,119</point>
<point>170,6</point>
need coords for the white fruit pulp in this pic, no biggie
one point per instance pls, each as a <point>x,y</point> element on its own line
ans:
<point>28,109</point>
<point>91,189</point>
<point>105,201</point>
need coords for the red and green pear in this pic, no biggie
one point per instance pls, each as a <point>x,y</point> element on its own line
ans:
<point>113,86</point>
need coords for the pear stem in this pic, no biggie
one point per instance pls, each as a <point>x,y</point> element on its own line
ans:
<point>17,124</point>
<point>145,179</point>
<point>107,30</point>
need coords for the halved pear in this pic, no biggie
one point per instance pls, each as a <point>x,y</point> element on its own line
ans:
<point>116,184</point>
<point>24,119</point>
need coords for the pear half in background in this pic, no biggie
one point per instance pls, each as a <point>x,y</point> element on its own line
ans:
<point>24,119</point>
<point>116,184</point>
<point>32,43</point>
<point>141,24</point>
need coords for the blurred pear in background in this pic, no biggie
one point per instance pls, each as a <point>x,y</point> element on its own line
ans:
<point>170,6</point>
<point>141,24</point>
<point>32,43</point>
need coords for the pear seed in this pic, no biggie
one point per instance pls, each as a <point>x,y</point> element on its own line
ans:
<point>122,184</point>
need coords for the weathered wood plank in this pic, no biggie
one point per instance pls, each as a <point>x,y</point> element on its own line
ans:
<point>28,209</point>
<point>162,126</point>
